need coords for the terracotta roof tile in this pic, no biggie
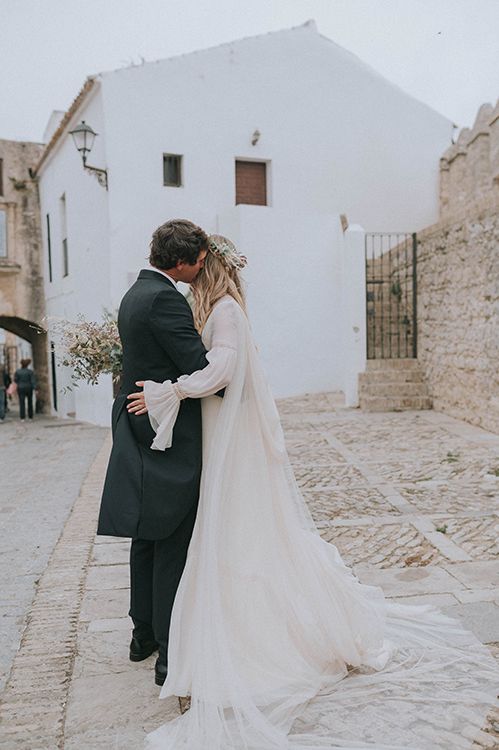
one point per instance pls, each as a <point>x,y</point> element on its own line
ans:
<point>84,91</point>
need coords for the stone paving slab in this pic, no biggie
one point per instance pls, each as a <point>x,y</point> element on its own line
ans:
<point>478,595</point>
<point>97,604</point>
<point>109,624</point>
<point>108,577</point>
<point>409,581</point>
<point>103,701</point>
<point>101,652</point>
<point>111,554</point>
<point>33,703</point>
<point>437,600</point>
<point>358,490</point>
<point>476,574</point>
<point>481,617</point>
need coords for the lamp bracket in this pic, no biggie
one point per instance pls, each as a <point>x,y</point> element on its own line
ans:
<point>100,174</point>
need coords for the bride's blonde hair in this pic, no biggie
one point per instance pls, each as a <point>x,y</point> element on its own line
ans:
<point>218,277</point>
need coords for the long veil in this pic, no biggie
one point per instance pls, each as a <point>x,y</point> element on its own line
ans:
<point>276,640</point>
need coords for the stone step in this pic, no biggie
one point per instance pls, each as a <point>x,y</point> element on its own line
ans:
<point>405,403</point>
<point>393,364</point>
<point>391,375</point>
<point>395,390</point>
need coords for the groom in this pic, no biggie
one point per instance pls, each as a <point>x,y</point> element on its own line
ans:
<point>152,495</point>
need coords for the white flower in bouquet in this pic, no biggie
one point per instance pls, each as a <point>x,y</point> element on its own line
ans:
<point>90,349</point>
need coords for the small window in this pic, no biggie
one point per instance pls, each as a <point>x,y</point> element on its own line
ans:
<point>64,234</point>
<point>53,366</point>
<point>49,248</point>
<point>65,258</point>
<point>251,183</point>
<point>3,233</point>
<point>172,170</point>
<point>1,176</point>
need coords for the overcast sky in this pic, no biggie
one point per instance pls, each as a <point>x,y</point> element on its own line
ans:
<point>444,52</point>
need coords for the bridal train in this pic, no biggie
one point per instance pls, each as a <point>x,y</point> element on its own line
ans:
<point>276,640</point>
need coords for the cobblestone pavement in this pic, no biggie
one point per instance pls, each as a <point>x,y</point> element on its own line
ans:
<point>411,499</point>
<point>44,463</point>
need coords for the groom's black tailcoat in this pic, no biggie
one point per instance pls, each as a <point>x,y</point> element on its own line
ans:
<point>148,493</point>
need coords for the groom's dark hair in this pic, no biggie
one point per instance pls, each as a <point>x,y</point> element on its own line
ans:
<point>176,240</point>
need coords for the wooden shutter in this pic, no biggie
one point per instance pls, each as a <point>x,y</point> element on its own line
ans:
<point>251,183</point>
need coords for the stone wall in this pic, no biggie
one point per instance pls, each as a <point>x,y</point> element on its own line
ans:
<point>469,169</point>
<point>22,301</point>
<point>458,279</point>
<point>458,316</point>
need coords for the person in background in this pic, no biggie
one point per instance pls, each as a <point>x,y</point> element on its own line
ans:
<point>25,380</point>
<point>4,384</point>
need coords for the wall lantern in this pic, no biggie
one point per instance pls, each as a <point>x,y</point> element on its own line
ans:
<point>83,137</point>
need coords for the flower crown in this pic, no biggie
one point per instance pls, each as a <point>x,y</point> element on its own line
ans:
<point>225,249</point>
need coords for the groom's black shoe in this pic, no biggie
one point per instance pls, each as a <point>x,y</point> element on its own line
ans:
<point>140,650</point>
<point>160,672</point>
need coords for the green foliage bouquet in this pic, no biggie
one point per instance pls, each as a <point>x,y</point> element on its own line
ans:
<point>89,349</point>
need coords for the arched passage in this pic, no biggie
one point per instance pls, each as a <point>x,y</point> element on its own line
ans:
<point>37,337</point>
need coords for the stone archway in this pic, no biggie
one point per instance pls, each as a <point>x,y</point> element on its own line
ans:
<point>37,337</point>
<point>22,298</point>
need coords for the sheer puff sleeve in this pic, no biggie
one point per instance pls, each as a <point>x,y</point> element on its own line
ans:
<point>163,399</point>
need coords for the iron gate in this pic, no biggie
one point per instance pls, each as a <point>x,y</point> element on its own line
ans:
<point>391,293</point>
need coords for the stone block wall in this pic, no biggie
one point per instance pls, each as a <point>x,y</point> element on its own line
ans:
<point>469,169</point>
<point>458,316</point>
<point>458,279</point>
<point>22,300</point>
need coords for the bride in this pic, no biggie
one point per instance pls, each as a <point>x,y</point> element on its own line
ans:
<point>278,643</point>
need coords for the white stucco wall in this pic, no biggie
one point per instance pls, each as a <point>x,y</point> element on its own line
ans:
<point>86,289</point>
<point>293,286</point>
<point>353,312</point>
<point>337,138</point>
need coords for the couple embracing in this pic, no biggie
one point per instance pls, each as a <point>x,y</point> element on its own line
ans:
<point>253,615</point>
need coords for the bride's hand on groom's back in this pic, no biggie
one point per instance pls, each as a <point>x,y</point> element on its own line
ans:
<point>137,401</point>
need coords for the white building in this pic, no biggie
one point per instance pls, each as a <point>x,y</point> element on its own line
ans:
<point>312,132</point>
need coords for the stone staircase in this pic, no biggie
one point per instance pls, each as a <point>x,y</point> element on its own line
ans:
<point>393,385</point>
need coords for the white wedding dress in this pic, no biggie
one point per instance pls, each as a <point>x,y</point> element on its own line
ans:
<point>274,638</point>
